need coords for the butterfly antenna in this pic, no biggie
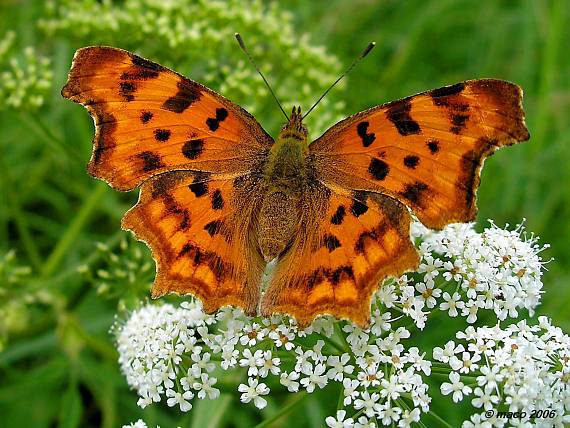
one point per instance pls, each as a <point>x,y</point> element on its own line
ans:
<point>243,48</point>
<point>356,61</point>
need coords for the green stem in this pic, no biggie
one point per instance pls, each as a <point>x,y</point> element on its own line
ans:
<point>38,120</point>
<point>24,232</point>
<point>333,344</point>
<point>89,205</point>
<point>439,419</point>
<point>342,336</point>
<point>292,404</point>
<point>340,403</point>
<point>18,217</point>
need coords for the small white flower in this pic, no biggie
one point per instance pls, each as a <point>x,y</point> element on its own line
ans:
<point>350,390</point>
<point>447,352</point>
<point>201,364</point>
<point>339,421</point>
<point>428,292</point>
<point>205,387</point>
<point>408,417</point>
<point>392,388</point>
<point>490,376</point>
<point>175,398</point>
<point>303,359</point>
<point>484,398</point>
<point>289,381</point>
<point>368,402</point>
<point>456,386</point>
<point>451,303</point>
<point>252,334</point>
<point>252,361</point>
<point>138,424</point>
<point>430,266</point>
<point>315,377</point>
<point>338,366</point>
<point>466,364</point>
<point>253,391</point>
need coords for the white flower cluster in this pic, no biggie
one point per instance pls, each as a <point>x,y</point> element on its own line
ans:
<point>523,369</point>
<point>462,271</point>
<point>167,352</point>
<point>177,354</point>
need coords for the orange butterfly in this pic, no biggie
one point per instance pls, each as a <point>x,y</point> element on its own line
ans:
<point>220,198</point>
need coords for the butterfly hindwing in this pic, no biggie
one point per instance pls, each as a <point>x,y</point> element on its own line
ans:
<point>426,150</point>
<point>150,119</point>
<point>198,226</point>
<point>346,245</point>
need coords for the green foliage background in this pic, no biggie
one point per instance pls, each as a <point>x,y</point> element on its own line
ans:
<point>60,291</point>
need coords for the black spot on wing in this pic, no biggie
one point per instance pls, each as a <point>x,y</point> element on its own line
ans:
<point>469,180</point>
<point>161,135</point>
<point>151,161</point>
<point>107,125</point>
<point>338,216</point>
<point>372,234</point>
<point>413,192</point>
<point>199,185</point>
<point>146,116</point>
<point>200,256</point>
<point>173,208</point>
<point>334,276</point>
<point>433,145</point>
<point>188,93</point>
<point>214,122</point>
<point>448,90</point>
<point>126,90</point>
<point>359,206</point>
<point>217,200</point>
<point>213,227</point>
<point>193,149</point>
<point>362,131</point>
<point>185,223</point>
<point>411,161</point>
<point>378,169</point>
<point>145,63</point>
<point>399,114</point>
<point>331,242</point>
<point>342,272</point>
<point>458,122</point>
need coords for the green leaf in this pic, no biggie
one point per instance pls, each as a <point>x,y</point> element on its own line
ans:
<point>71,407</point>
<point>210,413</point>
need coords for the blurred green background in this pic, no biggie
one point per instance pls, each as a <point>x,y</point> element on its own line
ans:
<point>66,269</point>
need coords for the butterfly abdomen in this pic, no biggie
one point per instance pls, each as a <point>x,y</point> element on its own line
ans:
<point>285,176</point>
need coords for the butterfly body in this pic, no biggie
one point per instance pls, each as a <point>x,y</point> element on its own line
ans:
<point>220,198</point>
<point>286,178</point>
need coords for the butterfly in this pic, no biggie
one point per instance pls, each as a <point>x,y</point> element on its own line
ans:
<point>220,198</point>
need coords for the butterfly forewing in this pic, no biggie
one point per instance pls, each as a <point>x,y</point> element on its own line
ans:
<point>426,150</point>
<point>150,119</point>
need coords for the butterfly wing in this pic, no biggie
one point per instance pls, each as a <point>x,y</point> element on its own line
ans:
<point>195,154</point>
<point>347,243</point>
<point>150,120</point>
<point>426,150</point>
<point>202,242</point>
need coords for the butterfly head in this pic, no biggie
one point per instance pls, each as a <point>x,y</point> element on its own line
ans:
<point>295,124</point>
